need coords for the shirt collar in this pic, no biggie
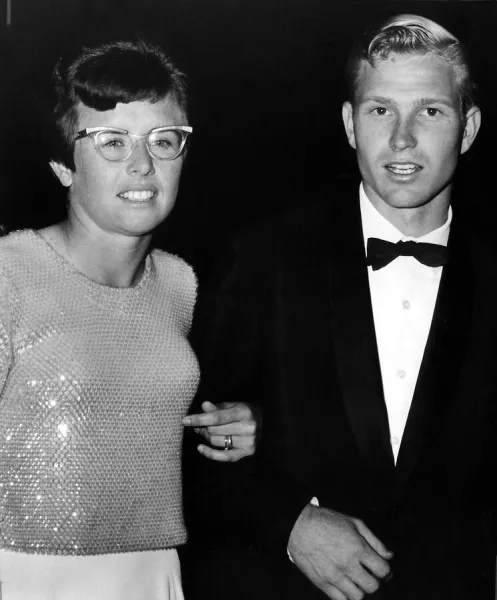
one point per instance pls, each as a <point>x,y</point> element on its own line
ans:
<point>374,224</point>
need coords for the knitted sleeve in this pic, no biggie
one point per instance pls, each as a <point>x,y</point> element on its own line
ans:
<point>6,320</point>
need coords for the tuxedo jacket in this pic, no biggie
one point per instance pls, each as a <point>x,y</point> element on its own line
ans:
<point>290,327</point>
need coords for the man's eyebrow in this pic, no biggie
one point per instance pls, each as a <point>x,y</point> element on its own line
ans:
<point>444,100</point>
<point>377,99</point>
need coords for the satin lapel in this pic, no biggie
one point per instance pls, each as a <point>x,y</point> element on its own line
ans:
<point>355,340</point>
<point>442,359</point>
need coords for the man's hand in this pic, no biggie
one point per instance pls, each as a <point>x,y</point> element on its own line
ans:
<point>239,420</point>
<point>338,553</point>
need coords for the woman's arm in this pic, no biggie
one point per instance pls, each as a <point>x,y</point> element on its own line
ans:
<point>233,426</point>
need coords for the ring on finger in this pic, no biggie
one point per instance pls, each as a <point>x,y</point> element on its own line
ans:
<point>228,442</point>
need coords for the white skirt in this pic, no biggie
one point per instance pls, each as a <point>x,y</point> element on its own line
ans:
<point>150,575</point>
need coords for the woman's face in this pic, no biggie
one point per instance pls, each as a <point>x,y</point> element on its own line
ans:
<point>131,197</point>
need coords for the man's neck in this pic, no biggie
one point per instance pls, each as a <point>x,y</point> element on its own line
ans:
<point>416,221</point>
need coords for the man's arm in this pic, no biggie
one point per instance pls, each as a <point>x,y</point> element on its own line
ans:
<point>335,552</point>
<point>338,553</point>
<point>226,335</point>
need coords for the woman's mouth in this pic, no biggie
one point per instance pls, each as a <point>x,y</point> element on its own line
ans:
<point>137,196</point>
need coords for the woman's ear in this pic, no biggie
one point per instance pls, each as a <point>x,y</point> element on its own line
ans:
<point>63,173</point>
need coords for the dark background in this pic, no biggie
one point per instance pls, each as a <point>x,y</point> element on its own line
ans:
<point>267,80</point>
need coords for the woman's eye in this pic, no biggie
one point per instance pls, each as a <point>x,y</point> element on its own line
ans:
<point>163,143</point>
<point>114,143</point>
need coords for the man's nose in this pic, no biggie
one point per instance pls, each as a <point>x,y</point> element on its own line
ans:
<point>403,136</point>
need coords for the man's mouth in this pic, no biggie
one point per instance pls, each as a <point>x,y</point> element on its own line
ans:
<point>137,196</point>
<point>403,168</point>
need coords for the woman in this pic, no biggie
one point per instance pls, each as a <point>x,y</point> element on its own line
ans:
<point>96,372</point>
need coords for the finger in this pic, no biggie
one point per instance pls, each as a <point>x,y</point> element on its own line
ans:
<point>378,566</point>
<point>218,440</point>
<point>222,404</point>
<point>349,589</point>
<point>372,540</point>
<point>222,455</point>
<point>334,593</point>
<point>364,580</point>
<point>218,417</point>
<point>238,441</point>
<point>207,407</point>
<point>246,428</point>
<point>210,406</point>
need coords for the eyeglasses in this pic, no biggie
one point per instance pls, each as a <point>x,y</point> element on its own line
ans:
<point>163,143</point>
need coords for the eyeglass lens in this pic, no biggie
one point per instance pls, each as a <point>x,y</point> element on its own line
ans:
<point>164,145</point>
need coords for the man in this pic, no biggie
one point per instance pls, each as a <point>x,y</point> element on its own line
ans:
<point>366,330</point>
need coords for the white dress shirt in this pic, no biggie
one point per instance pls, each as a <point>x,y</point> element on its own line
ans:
<point>403,295</point>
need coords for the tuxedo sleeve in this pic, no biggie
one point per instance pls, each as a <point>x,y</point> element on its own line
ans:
<point>251,497</point>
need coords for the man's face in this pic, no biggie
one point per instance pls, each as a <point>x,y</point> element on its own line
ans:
<point>130,197</point>
<point>407,130</point>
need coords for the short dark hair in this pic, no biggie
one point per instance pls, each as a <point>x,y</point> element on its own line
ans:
<point>412,34</point>
<point>99,77</point>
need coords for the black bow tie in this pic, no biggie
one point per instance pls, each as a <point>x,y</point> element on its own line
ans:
<point>380,253</point>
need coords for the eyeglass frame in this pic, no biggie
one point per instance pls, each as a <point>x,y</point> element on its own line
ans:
<point>91,132</point>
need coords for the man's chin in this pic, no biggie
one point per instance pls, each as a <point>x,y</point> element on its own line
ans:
<point>406,197</point>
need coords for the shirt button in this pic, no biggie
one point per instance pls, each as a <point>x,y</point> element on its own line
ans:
<point>401,374</point>
<point>395,441</point>
<point>406,304</point>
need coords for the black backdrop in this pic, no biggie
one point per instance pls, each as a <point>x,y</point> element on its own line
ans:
<point>267,79</point>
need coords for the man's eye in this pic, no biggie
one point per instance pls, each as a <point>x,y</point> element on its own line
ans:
<point>432,112</point>
<point>380,111</point>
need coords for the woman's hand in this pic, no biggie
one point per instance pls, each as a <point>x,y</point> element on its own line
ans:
<point>233,426</point>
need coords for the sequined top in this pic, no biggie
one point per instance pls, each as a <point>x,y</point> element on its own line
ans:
<point>94,381</point>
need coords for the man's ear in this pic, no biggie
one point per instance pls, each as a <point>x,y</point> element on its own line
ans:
<point>348,122</point>
<point>471,128</point>
<point>63,173</point>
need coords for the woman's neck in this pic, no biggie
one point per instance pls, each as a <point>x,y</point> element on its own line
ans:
<point>108,259</point>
